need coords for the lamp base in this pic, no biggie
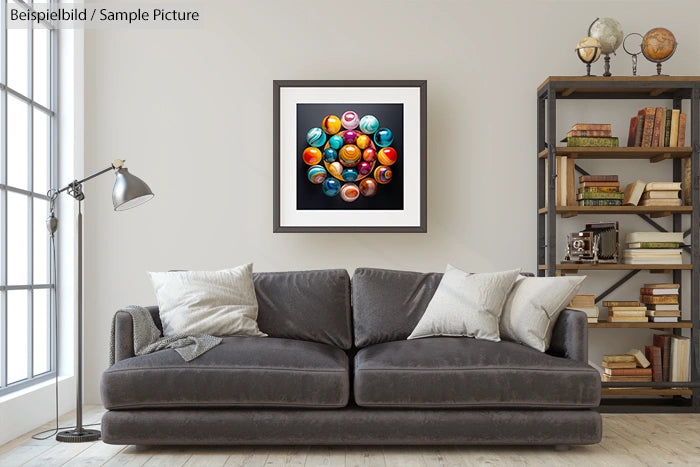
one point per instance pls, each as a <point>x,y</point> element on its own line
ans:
<point>78,436</point>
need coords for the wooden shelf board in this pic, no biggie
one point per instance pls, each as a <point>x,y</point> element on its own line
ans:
<point>656,211</point>
<point>646,392</point>
<point>649,325</point>
<point>617,267</point>
<point>652,154</point>
<point>650,86</point>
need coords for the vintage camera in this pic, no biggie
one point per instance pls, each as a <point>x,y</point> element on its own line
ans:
<point>597,243</point>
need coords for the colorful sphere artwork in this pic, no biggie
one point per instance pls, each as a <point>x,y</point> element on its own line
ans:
<point>369,154</point>
<point>330,187</point>
<point>350,120</point>
<point>350,175</point>
<point>383,174</point>
<point>369,124</point>
<point>364,168</point>
<point>331,124</point>
<point>311,156</point>
<point>363,141</point>
<point>382,138</point>
<point>349,192</point>
<point>368,187</point>
<point>387,156</point>
<point>317,174</point>
<point>335,142</point>
<point>330,155</point>
<point>316,137</point>
<point>350,156</point>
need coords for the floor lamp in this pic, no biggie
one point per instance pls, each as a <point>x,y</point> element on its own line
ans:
<point>129,191</point>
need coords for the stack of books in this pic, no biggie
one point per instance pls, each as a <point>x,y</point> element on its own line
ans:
<point>661,301</point>
<point>585,303</point>
<point>599,190</point>
<point>630,367</point>
<point>661,194</point>
<point>591,135</point>
<point>675,358</point>
<point>626,312</point>
<point>655,127</point>
<point>653,248</point>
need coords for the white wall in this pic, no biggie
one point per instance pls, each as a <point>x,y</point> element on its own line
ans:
<point>191,111</point>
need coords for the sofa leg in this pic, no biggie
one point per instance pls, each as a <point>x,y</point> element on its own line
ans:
<point>561,447</point>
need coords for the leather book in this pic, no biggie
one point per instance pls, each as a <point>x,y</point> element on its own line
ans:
<point>663,341</point>
<point>656,299</point>
<point>592,126</point>
<point>681,130</point>
<point>598,178</point>
<point>634,121</point>
<point>667,129</point>
<point>675,117</point>
<point>640,128</point>
<point>653,354</point>
<point>648,130</point>
<point>659,122</point>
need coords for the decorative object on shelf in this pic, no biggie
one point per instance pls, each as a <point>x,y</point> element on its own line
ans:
<point>597,243</point>
<point>633,50</point>
<point>349,156</point>
<point>658,45</point>
<point>608,32</point>
<point>588,51</point>
<point>129,191</point>
<point>591,135</point>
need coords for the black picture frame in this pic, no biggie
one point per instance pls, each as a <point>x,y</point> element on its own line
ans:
<point>418,213</point>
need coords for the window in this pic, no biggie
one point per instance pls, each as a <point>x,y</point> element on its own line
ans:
<point>27,171</point>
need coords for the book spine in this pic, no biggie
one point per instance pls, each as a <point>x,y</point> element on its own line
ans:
<point>598,133</point>
<point>628,371</point>
<point>592,126</point>
<point>570,182</point>
<point>592,142</point>
<point>659,299</point>
<point>653,245</point>
<point>600,195</point>
<point>681,130</point>
<point>640,127</point>
<point>600,202</point>
<point>653,354</point>
<point>634,121</point>
<point>599,189</point>
<point>648,131</point>
<point>615,185</point>
<point>686,184</point>
<point>597,178</point>
<point>667,129</point>
<point>659,119</point>
<point>610,303</point>
<point>673,140</point>
<point>644,291</point>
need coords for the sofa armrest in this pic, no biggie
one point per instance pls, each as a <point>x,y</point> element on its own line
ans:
<point>570,336</point>
<point>124,333</point>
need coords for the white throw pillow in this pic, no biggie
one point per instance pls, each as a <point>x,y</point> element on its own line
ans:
<point>220,303</point>
<point>466,304</point>
<point>533,307</point>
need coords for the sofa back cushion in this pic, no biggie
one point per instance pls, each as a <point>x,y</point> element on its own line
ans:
<point>387,305</point>
<point>305,305</point>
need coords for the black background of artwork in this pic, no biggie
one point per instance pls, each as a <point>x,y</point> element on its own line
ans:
<point>389,196</point>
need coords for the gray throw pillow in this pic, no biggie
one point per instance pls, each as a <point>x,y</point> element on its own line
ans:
<point>533,306</point>
<point>220,303</point>
<point>466,304</point>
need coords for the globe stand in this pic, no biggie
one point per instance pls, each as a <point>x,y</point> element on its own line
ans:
<point>582,56</point>
<point>607,66</point>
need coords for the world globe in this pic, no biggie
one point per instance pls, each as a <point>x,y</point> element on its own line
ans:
<point>588,49</point>
<point>609,32</point>
<point>658,44</point>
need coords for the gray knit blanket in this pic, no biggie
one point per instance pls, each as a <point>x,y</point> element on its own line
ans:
<point>147,337</point>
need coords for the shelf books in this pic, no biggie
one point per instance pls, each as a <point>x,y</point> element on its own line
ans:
<point>626,312</point>
<point>599,190</point>
<point>591,135</point>
<point>585,303</point>
<point>680,359</point>
<point>663,341</point>
<point>653,248</point>
<point>633,193</point>
<point>657,127</point>
<point>653,354</point>
<point>619,368</point>
<point>661,194</point>
<point>664,295</point>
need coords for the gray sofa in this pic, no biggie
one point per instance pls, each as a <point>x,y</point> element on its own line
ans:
<point>337,369</point>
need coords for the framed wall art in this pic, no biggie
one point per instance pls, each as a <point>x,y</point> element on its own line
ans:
<point>349,156</point>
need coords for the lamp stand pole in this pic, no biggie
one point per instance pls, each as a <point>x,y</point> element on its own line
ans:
<point>79,434</point>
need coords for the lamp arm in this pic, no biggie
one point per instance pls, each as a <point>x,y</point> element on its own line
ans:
<point>117,164</point>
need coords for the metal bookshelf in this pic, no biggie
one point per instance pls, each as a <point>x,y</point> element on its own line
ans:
<point>625,397</point>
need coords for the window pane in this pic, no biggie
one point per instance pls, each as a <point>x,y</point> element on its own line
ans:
<point>17,335</point>
<point>17,150</point>
<point>42,336</point>
<point>41,65</point>
<point>41,242</point>
<point>17,241</point>
<point>41,152</point>
<point>17,59</point>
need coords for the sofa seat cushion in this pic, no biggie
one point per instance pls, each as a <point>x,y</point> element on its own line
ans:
<point>461,372</point>
<point>241,371</point>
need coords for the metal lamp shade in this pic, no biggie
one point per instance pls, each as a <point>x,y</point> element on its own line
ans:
<point>129,191</point>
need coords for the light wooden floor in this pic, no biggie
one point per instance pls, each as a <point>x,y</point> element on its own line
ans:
<point>627,440</point>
